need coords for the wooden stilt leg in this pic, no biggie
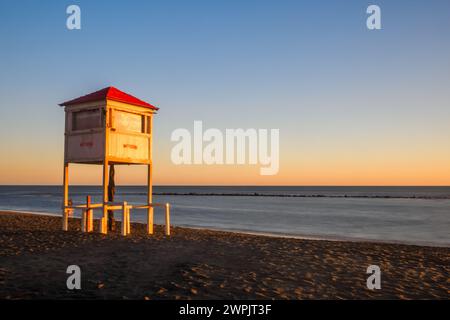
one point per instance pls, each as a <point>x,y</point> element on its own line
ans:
<point>124,219</point>
<point>90,221</point>
<point>104,220</point>
<point>89,217</point>
<point>167,219</point>
<point>150,221</point>
<point>149,200</point>
<point>83,221</point>
<point>128,221</point>
<point>65,222</point>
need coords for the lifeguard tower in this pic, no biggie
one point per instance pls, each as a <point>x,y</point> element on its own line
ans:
<point>109,127</point>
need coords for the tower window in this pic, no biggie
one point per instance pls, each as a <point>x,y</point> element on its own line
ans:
<point>86,119</point>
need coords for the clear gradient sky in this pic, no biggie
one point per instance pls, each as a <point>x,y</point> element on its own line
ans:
<point>354,107</point>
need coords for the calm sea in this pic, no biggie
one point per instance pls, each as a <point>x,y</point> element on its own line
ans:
<point>419,215</point>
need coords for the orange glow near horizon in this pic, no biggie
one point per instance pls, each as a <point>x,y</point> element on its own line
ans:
<point>338,162</point>
<point>315,170</point>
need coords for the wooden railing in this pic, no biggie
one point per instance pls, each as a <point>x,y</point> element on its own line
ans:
<point>87,216</point>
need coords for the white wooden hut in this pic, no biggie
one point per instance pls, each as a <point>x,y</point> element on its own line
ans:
<point>109,127</point>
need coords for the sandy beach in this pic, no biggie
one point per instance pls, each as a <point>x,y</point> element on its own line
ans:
<point>203,264</point>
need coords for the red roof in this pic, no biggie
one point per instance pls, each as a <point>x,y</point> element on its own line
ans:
<point>110,93</point>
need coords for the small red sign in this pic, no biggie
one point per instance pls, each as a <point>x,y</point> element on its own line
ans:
<point>131,146</point>
<point>87,144</point>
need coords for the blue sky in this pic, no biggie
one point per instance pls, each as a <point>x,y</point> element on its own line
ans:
<point>310,68</point>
